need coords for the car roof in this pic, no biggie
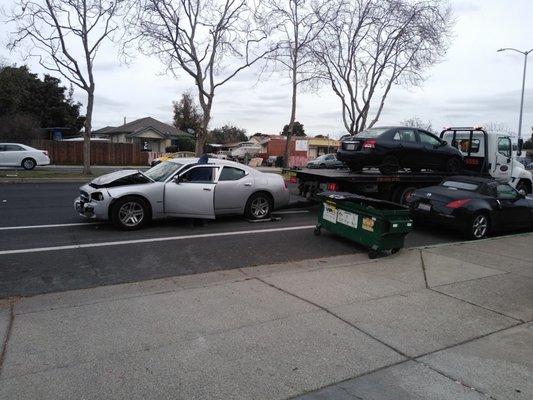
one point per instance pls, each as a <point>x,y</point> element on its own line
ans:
<point>211,160</point>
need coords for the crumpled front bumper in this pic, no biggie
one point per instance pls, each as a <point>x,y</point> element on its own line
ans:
<point>91,209</point>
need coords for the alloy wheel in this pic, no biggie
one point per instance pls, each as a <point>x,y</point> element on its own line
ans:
<point>131,214</point>
<point>480,226</point>
<point>28,164</point>
<point>260,207</point>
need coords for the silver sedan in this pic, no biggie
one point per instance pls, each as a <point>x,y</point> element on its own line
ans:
<point>182,188</point>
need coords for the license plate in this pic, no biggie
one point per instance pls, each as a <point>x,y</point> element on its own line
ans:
<point>350,146</point>
<point>424,207</point>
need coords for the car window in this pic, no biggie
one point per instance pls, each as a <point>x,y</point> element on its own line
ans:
<point>162,171</point>
<point>13,147</point>
<point>405,135</point>
<point>505,191</point>
<point>460,185</point>
<point>428,139</point>
<point>231,174</point>
<point>330,157</point>
<point>371,133</point>
<point>464,144</point>
<point>504,146</point>
<point>198,175</point>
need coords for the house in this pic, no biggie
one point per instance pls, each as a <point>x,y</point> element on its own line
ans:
<point>151,134</point>
<point>321,145</point>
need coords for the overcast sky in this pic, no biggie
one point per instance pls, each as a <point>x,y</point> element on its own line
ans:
<point>474,84</point>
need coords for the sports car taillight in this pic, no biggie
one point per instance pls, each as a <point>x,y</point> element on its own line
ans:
<point>45,152</point>
<point>369,144</point>
<point>457,203</point>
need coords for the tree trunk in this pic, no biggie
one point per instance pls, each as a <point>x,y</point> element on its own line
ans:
<point>87,134</point>
<point>291,122</point>
<point>201,137</point>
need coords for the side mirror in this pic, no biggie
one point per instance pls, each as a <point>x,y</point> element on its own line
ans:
<point>177,179</point>
<point>444,142</point>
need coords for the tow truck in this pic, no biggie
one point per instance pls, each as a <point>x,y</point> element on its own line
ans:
<point>485,154</point>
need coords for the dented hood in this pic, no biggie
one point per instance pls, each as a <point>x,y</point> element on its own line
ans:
<point>113,176</point>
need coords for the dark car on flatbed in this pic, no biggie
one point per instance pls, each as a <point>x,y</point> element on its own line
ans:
<point>474,205</point>
<point>394,147</point>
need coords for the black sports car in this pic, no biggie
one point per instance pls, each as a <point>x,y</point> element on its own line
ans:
<point>476,206</point>
<point>391,148</point>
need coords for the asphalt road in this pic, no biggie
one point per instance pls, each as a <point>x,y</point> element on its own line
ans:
<point>36,259</point>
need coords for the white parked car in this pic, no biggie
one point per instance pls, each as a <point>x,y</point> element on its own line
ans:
<point>20,155</point>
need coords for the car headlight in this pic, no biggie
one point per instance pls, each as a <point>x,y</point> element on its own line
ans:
<point>98,196</point>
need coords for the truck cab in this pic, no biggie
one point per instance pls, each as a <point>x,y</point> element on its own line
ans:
<point>489,153</point>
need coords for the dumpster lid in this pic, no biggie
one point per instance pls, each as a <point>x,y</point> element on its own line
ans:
<point>345,196</point>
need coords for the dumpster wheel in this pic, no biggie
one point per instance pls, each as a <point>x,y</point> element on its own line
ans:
<point>318,230</point>
<point>373,254</point>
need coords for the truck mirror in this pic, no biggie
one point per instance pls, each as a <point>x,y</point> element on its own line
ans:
<point>520,144</point>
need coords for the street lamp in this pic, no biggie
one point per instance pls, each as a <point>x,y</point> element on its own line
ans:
<point>525,54</point>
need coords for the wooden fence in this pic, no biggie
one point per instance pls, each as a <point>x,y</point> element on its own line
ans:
<point>102,153</point>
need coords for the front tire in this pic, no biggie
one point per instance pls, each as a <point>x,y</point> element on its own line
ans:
<point>28,164</point>
<point>259,206</point>
<point>480,226</point>
<point>130,213</point>
<point>454,165</point>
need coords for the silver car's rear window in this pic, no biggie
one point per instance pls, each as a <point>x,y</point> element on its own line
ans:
<point>162,171</point>
<point>460,185</point>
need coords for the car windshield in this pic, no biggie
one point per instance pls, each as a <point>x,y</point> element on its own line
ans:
<point>371,133</point>
<point>461,185</point>
<point>162,171</point>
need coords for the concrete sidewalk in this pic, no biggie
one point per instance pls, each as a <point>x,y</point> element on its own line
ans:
<point>446,322</point>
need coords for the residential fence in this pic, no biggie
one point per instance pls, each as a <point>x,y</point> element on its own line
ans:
<point>102,153</point>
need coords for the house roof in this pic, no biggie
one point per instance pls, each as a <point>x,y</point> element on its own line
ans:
<point>140,125</point>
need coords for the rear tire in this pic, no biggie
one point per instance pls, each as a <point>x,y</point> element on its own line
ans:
<point>454,165</point>
<point>390,165</point>
<point>130,213</point>
<point>259,206</point>
<point>479,226</point>
<point>28,164</point>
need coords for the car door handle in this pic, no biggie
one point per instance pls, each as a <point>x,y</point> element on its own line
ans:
<point>247,184</point>
<point>207,189</point>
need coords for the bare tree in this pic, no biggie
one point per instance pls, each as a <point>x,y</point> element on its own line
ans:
<point>374,44</point>
<point>416,122</point>
<point>296,25</point>
<point>210,40</point>
<point>65,35</point>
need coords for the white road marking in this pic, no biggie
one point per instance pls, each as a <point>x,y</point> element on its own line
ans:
<point>291,212</point>
<point>11,228</point>
<point>152,240</point>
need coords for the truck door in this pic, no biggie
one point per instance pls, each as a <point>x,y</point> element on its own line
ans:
<point>192,193</point>
<point>501,167</point>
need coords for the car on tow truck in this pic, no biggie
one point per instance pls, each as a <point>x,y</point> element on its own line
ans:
<point>182,187</point>
<point>476,206</point>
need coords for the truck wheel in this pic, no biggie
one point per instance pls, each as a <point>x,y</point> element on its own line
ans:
<point>28,164</point>
<point>480,226</point>
<point>130,213</point>
<point>390,165</point>
<point>454,165</point>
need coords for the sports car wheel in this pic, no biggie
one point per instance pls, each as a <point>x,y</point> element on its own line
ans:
<point>259,206</point>
<point>480,226</point>
<point>28,163</point>
<point>130,213</point>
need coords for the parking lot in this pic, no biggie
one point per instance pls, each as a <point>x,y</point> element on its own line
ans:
<point>46,247</point>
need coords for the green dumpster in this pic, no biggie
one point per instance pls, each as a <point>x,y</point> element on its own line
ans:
<point>377,224</point>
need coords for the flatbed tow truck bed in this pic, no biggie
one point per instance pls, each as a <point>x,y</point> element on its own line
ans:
<point>371,183</point>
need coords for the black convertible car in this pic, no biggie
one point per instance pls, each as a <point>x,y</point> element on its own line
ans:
<point>476,206</point>
<point>391,148</point>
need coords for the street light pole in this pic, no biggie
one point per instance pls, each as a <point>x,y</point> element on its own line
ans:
<point>525,54</point>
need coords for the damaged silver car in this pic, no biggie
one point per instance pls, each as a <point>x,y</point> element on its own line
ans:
<point>182,188</point>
